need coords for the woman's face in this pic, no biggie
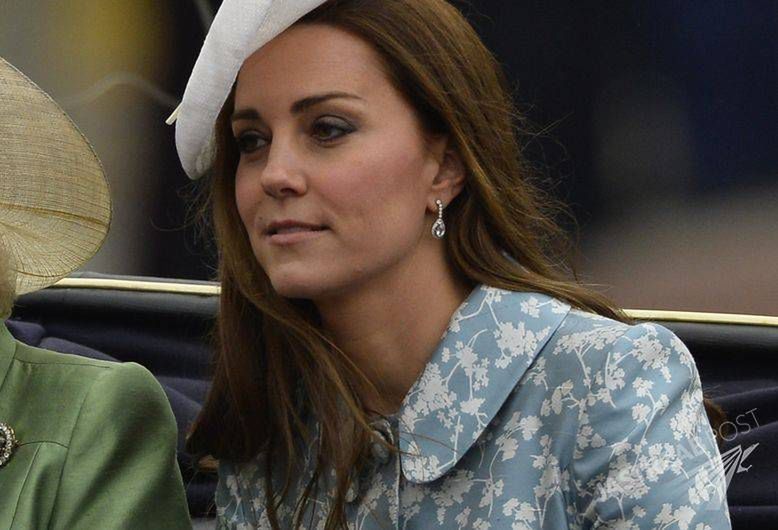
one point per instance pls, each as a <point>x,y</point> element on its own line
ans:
<point>336,176</point>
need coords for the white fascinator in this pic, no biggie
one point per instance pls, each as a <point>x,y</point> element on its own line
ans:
<point>240,28</point>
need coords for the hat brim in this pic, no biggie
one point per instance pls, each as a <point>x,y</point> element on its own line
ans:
<point>240,28</point>
<point>55,208</point>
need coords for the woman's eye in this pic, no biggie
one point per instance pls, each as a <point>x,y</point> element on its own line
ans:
<point>328,130</point>
<point>250,141</point>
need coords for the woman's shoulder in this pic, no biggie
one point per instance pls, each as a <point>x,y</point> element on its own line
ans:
<point>67,372</point>
<point>584,332</point>
<point>634,392</point>
<point>595,344</point>
<point>83,390</point>
<point>554,324</point>
<point>60,405</point>
<point>80,365</point>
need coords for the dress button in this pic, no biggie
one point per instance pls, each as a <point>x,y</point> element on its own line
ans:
<point>382,436</point>
<point>380,453</point>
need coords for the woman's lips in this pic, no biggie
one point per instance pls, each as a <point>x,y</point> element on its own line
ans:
<point>291,236</point>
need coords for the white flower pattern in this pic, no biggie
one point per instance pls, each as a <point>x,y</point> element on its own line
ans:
<point>530,415</point>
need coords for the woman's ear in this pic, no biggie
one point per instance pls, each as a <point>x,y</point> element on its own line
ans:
<point>450,179</point>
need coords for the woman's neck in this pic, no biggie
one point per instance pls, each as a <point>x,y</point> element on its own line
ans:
<point>390,326</point>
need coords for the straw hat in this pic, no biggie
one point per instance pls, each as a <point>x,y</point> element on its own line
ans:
<point>55,208</point>
<point>240,28</point>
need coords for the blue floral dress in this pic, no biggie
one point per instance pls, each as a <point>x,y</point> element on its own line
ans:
<point>529,415</point>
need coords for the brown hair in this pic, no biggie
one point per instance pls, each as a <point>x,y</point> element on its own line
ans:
<point>502,233</point>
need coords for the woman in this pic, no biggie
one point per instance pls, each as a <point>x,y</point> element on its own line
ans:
<point>369,196</point>
<point>84,444</point>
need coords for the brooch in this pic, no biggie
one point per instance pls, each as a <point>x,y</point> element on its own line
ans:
<point>7,443</point>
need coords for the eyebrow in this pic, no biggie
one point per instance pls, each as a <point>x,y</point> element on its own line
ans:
<point>297,107</point>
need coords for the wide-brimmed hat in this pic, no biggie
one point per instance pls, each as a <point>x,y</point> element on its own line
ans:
<point>55,208</point>
<point>240,28</point>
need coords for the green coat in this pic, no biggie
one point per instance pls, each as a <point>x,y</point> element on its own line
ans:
<point>96,444</point>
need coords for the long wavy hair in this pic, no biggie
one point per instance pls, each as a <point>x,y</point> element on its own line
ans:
<point>275,366</point>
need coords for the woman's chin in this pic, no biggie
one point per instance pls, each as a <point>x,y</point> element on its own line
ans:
<point>300,286</point>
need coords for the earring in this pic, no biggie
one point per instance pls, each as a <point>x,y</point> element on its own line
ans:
<point>439,228</point>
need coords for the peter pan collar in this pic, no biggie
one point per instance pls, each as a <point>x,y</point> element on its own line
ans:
<point>491,340</point>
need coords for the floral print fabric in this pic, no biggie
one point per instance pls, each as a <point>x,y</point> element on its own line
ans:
<point>529,415</point>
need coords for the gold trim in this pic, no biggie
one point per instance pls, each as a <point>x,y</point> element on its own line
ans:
<point>703,318</point>
<point>138,285</point>
<point>213,289</point>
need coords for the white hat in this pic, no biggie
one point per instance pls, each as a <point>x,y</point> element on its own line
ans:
<point>240,28</point>
<point>55,208</point>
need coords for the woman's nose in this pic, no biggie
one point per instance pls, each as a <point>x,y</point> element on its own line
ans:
<point>283,175</point>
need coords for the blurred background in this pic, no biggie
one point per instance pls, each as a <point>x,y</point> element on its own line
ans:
<point>658,125</point>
